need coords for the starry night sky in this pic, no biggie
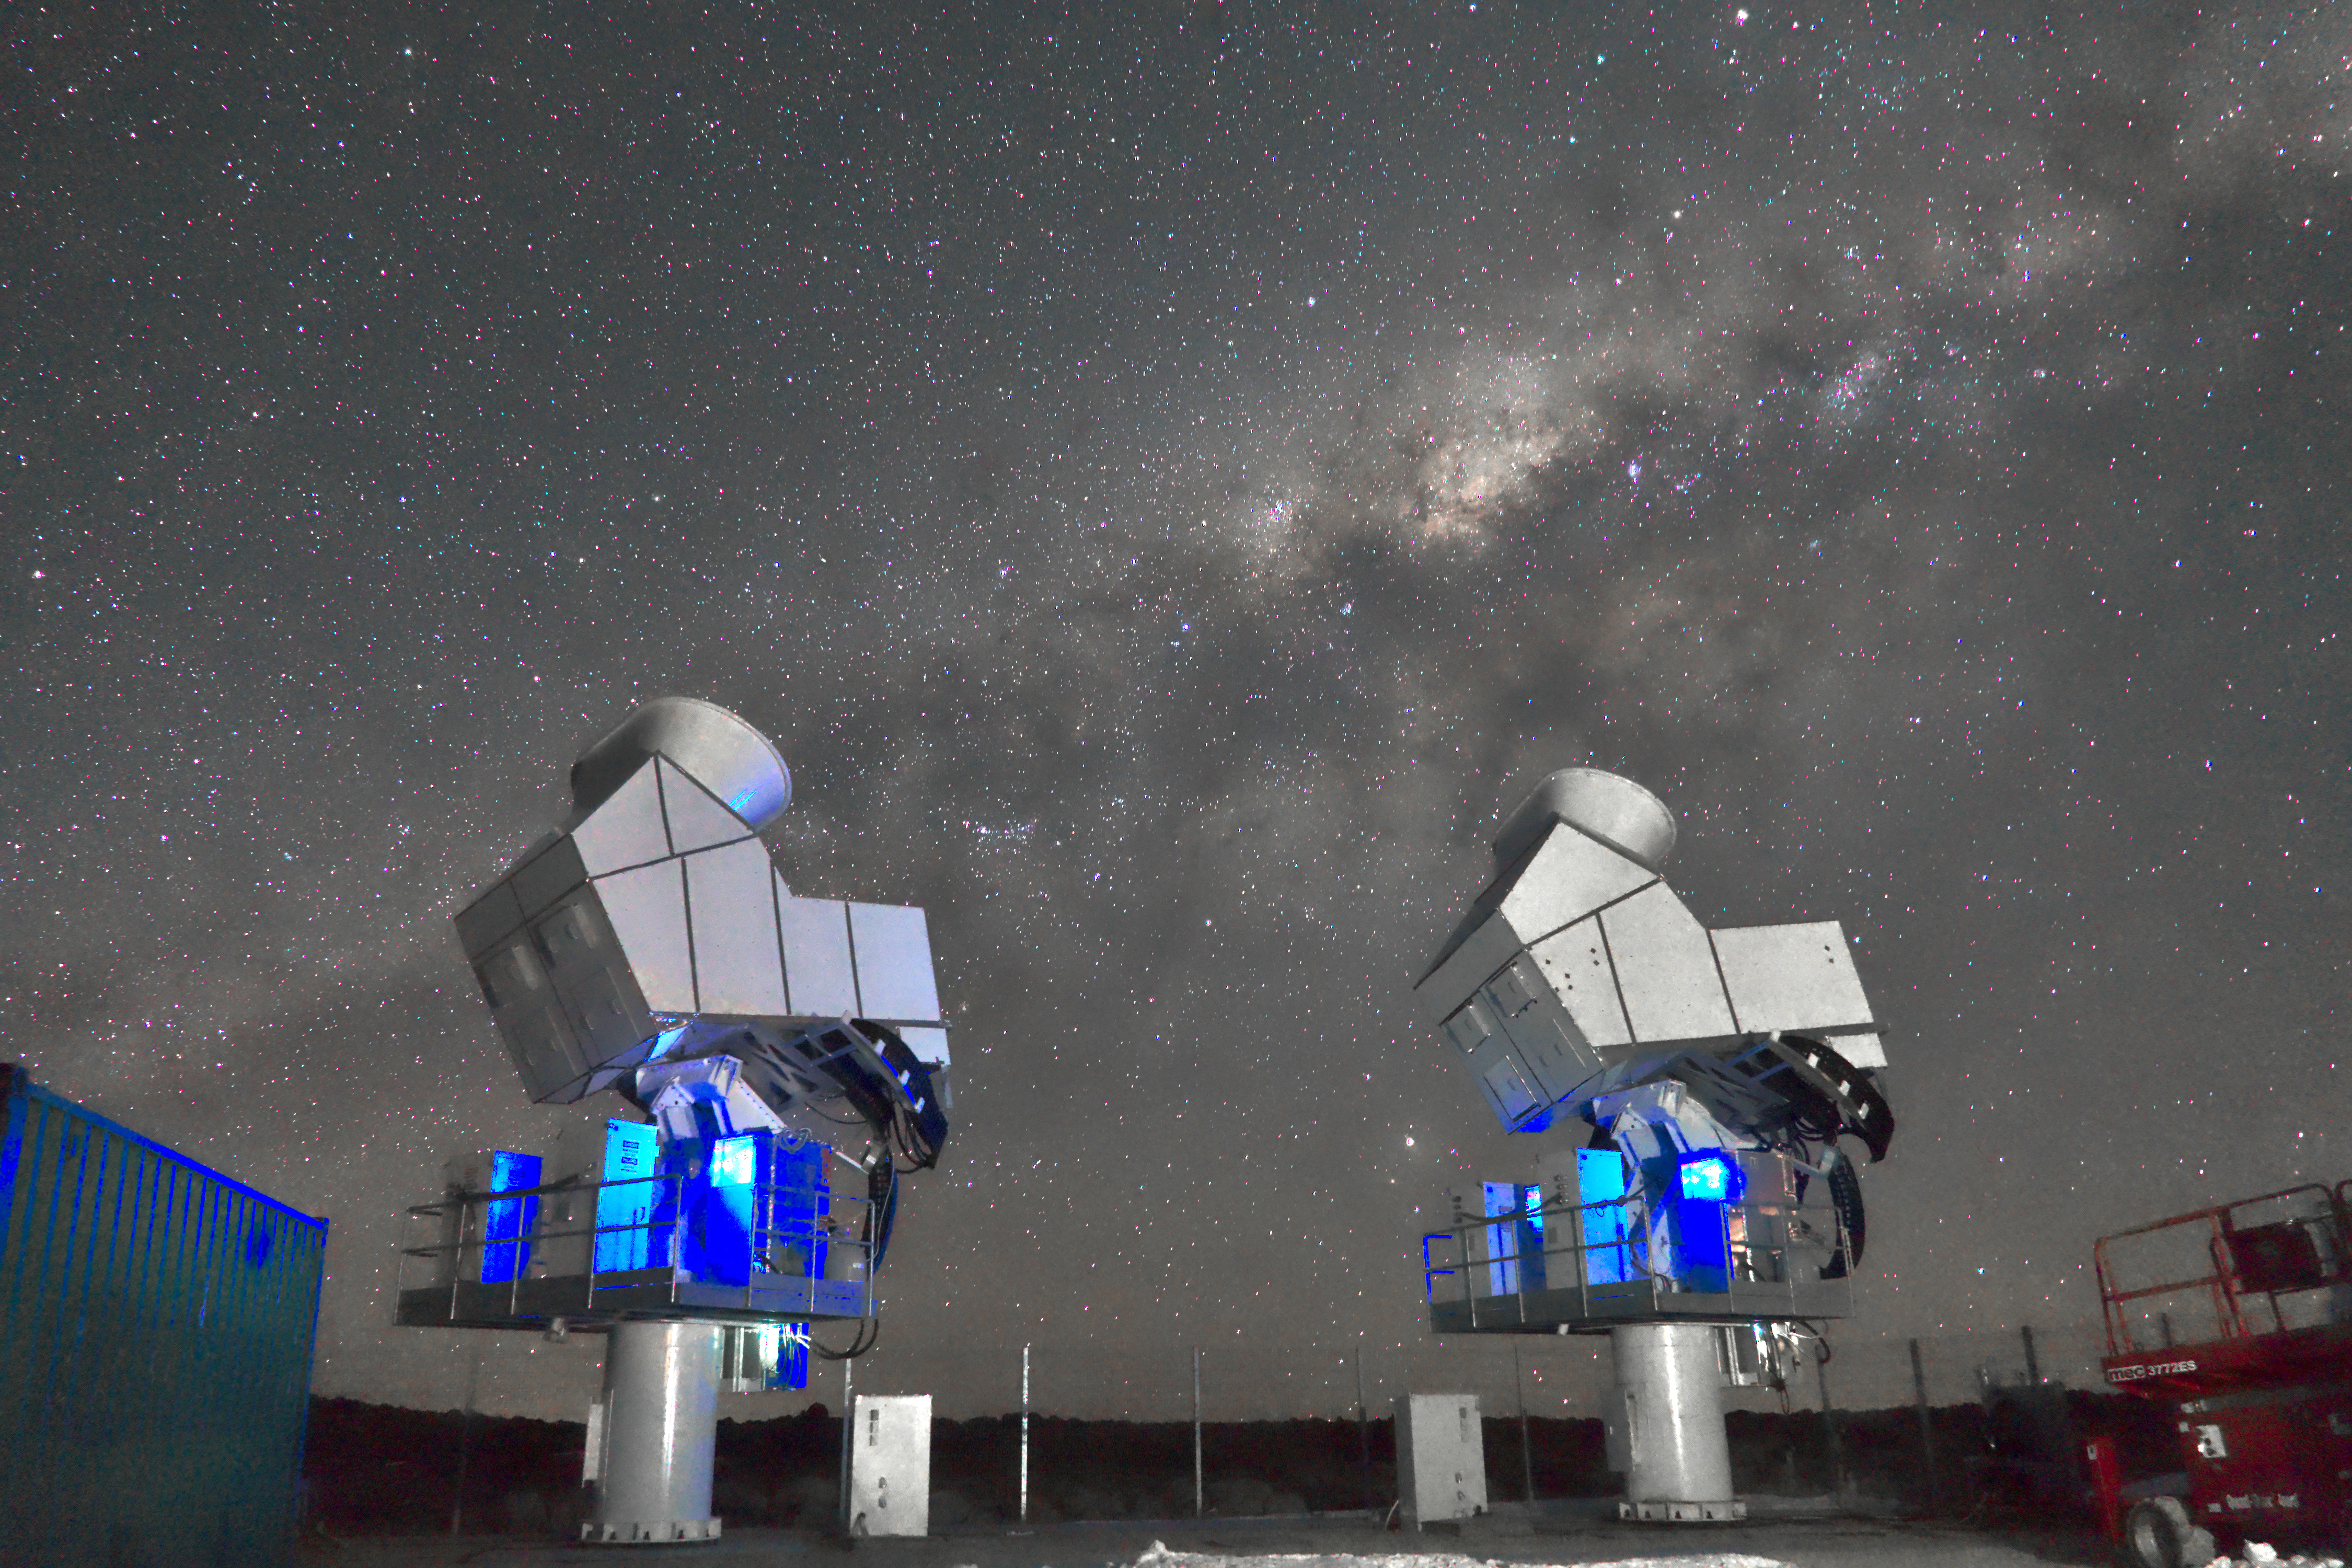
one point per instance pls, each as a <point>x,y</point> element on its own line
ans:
<point>1167,481</point>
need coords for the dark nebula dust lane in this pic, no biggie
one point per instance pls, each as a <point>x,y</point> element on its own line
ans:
<point>1167,483</point>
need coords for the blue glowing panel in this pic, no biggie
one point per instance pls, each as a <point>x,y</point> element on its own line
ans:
<point>624,1211</point>
<point>1532,1235</point>
<point>734,1162</point>
<point>507,1220</point>
<point>1608,1247</point>
<point>1502,1201</point>
<point>1711,1178</point>
<point>1708,1185</point>
<point>719,1248</point>
<point>793,1239</point>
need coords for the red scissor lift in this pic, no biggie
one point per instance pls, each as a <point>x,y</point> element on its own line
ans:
<point>2239,1318</point>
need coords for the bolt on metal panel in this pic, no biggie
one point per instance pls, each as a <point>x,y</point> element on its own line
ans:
<point>890,1465</point>
<point>1665,969</point>
<point>1576,962</point>
<point>1791,977</point>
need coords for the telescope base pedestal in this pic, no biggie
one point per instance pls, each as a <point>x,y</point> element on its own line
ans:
<point>660,1427</point>
<point>1678,1459</point>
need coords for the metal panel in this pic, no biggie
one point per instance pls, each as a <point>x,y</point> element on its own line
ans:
<point>1863,1050</point>
<point>892,945</point>
<point>1790,977</point>
<point>1540,1029</point>
<point>481,923</point>
<point>648,909</point>
<point>545,1052</point>
<point>157,1326</point>
<point>890,1466</point>
<point>548,876</point>
<point>732,906</point>
<point>626,830</point>
<point>817,958</point>
<point>1503,1079</point>
<point>601,1000</point>
<point>1484,950</point>
<point>929,1045</point>
<point>1566,879</point>
<point>697,820</point>
<point>1665,969</point>
<point>1576,962</point>
<point>1473,1024</point>
<point>1440,1457</point>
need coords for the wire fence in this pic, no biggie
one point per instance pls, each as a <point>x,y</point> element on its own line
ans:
<point>1281,1430</point>
<point>1552,1376</point>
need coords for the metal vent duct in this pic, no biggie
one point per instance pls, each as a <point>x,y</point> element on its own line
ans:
<point>724,755</point>
<point>1616,811</point>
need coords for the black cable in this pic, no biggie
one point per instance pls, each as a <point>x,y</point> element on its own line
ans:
<point>1845,1198</point>
<point>869,1334</point>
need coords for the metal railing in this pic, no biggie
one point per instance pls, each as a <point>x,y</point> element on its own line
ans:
<point>468,1255</point>
<point>2316,1246</point>
<point>1759,1245</point>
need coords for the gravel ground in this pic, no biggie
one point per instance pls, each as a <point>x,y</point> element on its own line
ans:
<point>1842,1542</point>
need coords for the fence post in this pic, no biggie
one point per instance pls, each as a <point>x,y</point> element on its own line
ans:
<point>848,1427</point>
<point>1363,1423</point>
<point>464,1443</point>
<point>1527,1452</point>
<point>1926,1431</point>
<point>1196,1432</point>
<point>1025,1434</point>
<point>1829,1424</point>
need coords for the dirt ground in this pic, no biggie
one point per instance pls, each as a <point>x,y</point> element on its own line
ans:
<point>1516,1537</point>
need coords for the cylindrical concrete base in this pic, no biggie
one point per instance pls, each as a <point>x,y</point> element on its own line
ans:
<point>661,1422</point>
<point>1678,1462</point>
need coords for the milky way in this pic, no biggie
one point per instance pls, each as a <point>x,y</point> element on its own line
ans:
<point>1166,485</point>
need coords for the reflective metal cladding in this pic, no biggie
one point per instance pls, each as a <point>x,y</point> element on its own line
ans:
<point>657,902</point>
<point>1576,957</point>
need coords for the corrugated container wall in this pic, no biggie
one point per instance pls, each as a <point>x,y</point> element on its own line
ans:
<point>156,1325</point>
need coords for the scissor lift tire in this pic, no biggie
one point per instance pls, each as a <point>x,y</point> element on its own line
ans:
<point>2158,1534</point>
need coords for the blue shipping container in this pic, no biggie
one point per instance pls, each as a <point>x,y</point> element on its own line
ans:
<point>156,1327</point>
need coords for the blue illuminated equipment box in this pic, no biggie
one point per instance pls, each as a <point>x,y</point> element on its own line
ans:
<point>510,1221</point>
<point>1706,1184</point>
<point>755,1199</point>
<point>1609,1251</point>
<point>1516,1243</point>
<point>497,1241</point>
<point>623,1210</point>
